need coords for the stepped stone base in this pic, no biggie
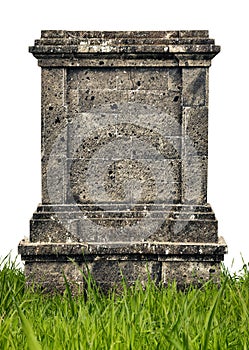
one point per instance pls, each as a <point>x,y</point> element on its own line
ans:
<point>109,264</point>
<point>123,223</point>
<point>164,241</point>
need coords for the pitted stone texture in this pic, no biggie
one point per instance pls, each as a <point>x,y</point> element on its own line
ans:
<point>190,272</point>
<point>124,223</point>
<point>119,91</point>
<point>54,229</point>
<point>119,79</point>
<point>187,230</point>
<point>53,110</point>
<point>124,159</point>
<point>127,181</point>
<point>100,62</point>
<point>161,251</point>
<point>54,179</point>
<point>195,125</point>
<point>195,86</point>
<point>110,274</point>
<point>115,114</point>
<point>140,140</point>
<point>110,265</point>
<point>50,276</point>
<point>74,45</point>
<point>106,274</point>
<point>194,180</point>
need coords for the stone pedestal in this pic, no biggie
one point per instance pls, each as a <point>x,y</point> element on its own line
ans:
<point>124,160</point>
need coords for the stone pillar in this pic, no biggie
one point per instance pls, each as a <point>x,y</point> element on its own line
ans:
<point>124,160</point>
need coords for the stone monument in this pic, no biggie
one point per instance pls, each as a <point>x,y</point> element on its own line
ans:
<point>124,122</point>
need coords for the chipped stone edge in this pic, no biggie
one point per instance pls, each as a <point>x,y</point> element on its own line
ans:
<point>44,251</point>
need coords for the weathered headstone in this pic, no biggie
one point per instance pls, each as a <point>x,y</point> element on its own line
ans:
<point>124,160</point>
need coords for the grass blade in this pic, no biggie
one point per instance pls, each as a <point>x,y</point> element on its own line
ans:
<point>135,317</point>
<point>210,316</point>
<point>32,341</point>
<point>69,294</point>
<point>176,343</point>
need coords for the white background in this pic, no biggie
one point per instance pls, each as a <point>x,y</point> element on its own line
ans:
<point>227,22</point>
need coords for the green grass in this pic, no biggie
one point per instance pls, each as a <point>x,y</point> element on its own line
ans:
<point>150,318</point>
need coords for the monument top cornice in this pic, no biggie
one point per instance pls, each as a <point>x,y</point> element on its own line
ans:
<point>83,44</point>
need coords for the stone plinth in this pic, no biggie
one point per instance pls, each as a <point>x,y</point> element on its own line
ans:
<point>124,159</point>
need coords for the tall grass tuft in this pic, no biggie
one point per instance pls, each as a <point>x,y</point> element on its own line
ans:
<point>150,317</point>
<point>32,341</point>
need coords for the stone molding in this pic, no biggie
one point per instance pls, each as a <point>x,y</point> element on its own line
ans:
<point>179,48</point>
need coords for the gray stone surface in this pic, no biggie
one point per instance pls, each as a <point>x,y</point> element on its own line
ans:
<point>110,264</point>
<point>124,125</point>
<point>117,223</point>
<point>194,87</point>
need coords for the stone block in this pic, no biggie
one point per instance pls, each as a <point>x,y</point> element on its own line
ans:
<point>106,101</point>
<point>53,111</point>
<point>151,125</point>
<point>190,272</point>
<point>131,181</point>
<point>194,180</point>
<point>72,100</point>
<point>50,277</point>
<point>54,180</point>
<point>175,79</point>
<point>95,79</point>
<point>111,274</point>
<point>194,87</point>
<point>88,133</point>
<point>53,230</point>
<point>195,125</point>
<point>142,79</point>
<point>163,101</point>
<point>54,134</point>
<point>147,144</point>
<point>193,33</point>
<point>52,86</point>
<point>187,230</point>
